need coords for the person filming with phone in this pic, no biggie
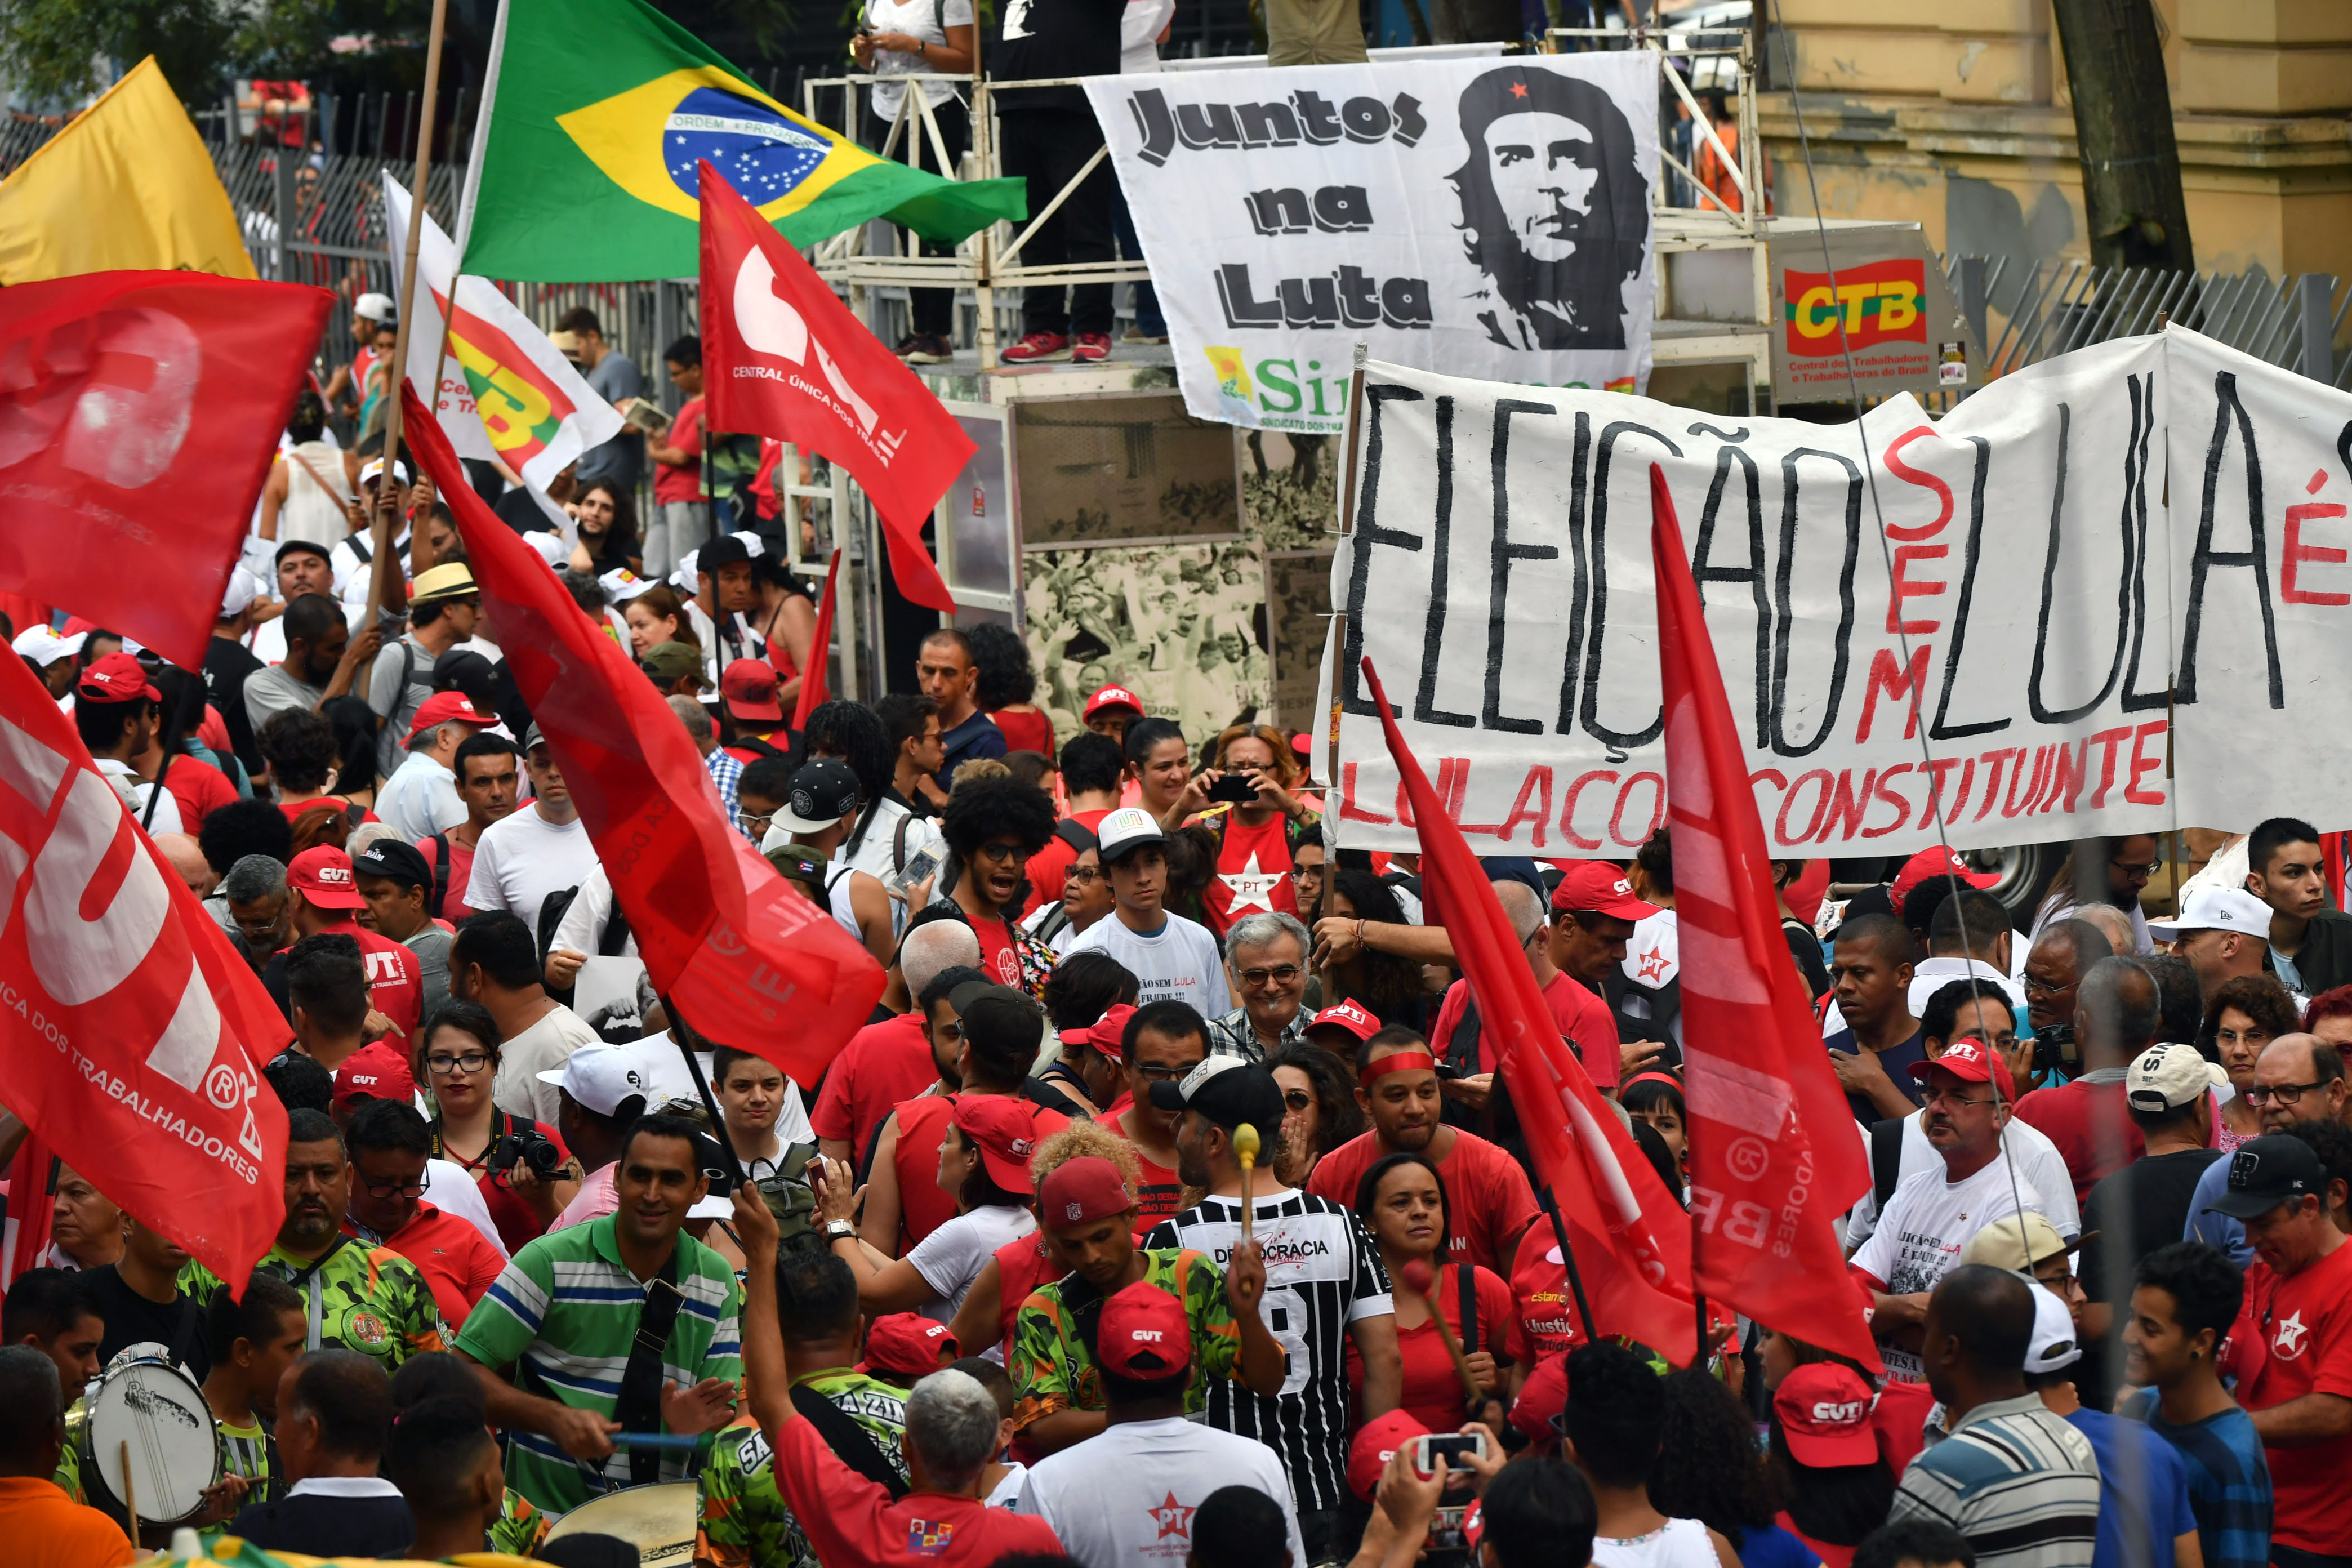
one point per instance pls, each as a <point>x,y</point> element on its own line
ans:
<point>1246,805</point>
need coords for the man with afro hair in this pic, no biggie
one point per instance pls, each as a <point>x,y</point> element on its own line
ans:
<point>992,826</point>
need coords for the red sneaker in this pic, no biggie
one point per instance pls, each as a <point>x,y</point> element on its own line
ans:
<point>1092,346</point>
<point>1037,348</point>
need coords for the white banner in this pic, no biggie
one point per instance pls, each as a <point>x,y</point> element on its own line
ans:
<point>1491,217</point>
<point>2017,613</point>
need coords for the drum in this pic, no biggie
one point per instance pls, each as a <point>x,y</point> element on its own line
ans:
<point>151,1405</point>
<point>659,1519</point>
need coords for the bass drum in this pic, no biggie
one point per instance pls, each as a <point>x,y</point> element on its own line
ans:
<point>153,1406</point>
<point>659,1519</point>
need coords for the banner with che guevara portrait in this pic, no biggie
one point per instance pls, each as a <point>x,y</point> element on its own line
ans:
<point>1485,218</point>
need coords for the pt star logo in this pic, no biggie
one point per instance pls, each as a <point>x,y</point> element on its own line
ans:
<point>2291,1330</point>
<point>1251,888</point>
<point>1173,1519</point>
<point>1653,967</point>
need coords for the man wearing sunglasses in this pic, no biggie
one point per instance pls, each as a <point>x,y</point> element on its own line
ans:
<point>443,608</point>
<point>389,1145</point>
<point>1265,959</point>
<point>2298,1077</point>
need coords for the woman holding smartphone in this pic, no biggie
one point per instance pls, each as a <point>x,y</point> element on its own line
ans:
<point>904,37</point>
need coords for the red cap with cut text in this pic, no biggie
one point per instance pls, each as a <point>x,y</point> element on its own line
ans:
<point>1600,888</point>
<point>1824,1410</point>
<point>117,678</point>
<point>1000,1127</point>
<point>909,1344</point>
<point>323,875</point>
<point>1936,862</point>
<point>374,1072</point>
<point>1374,1445</point>
<point>1142,1334</point>
<point>1970,1061</point>
<point>1111,697</point>
<point>1349,1016</point>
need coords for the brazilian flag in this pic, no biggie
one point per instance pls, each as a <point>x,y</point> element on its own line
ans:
<point>593,119</point>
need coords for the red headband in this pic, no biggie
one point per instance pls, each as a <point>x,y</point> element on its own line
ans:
<point>1665,1078</point>
<point>1398,1062</point>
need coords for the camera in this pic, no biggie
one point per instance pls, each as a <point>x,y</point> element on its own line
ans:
<point>535,1151</point>
<point>2055,1048</point>
<point>1234,788</point>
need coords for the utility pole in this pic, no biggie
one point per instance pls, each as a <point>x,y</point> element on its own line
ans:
<point>2122,127</point>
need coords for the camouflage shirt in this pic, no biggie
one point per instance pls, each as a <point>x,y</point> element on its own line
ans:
<point>1052,1366</point>
<point>361,1297</point>
<point>744,1520</point>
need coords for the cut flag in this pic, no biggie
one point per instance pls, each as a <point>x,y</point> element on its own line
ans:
<point>127,186</point>
<point>134,1036</point>
<point>782,356</point>
<point>748,962</point>
<point>1631,1238</point>
<point>583,169</point>
<point>32,1187</point>
<point>505,394</point>
<point>813,690</point>
<point>139,415</point>
<point>1772,1151</point>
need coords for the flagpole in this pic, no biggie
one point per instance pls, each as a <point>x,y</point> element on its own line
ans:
<point>1568,1257</point>
<point>407,308</point>
<point>702,1087</point>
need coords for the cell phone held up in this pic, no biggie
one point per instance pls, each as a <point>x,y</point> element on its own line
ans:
<point>1234,788</point>
<point>919,867</point>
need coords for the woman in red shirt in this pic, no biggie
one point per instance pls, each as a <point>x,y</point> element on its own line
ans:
<point>1401,1202</point>
<point>458,1058</point>
<point>1007,682</point>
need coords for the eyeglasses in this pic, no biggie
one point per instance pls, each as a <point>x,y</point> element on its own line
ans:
<point>469,1064</point>
<point>1153,1074</point>
<point>1953,1097</point>
<point>1300,873</point>
<point>1082,875</point>
<point>756,823</point>
<point>392,1189</point>
<point>1003,854</point>
<point>2040,987</point>
<point>2137,867</point>
<point>2285,1093</point>
<point>1296,1099</point>
<point>1281,974</point>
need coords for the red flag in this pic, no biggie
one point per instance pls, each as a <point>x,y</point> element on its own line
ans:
<point>1630,1236</point>
<point>131,1037</point>
<point>139,412</point>
<point>32,1209</point>
<point>820,650</point>
<point>750,962</point>
<point>1772,1149</point>
<point>782,355</point>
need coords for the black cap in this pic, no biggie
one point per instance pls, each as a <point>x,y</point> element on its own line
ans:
<point>398,862</point>
<point>1227,1091</point>
<point>821,794</point>
<point>2267,1172</point>
<point>301,547</point>
<point>997,1016</point>
<point>724,550</point>
<point>461,670</point>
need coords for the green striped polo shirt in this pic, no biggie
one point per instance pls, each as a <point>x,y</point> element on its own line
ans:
<point>566,1310</point>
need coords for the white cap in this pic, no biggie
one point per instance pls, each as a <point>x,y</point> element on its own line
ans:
<point>600,1076</point>
<point>240,591</point>
<point>1123,829</point>
<point>375,307</point>
<point>712,1207</point>
<point>2167,1077</point>
<point>44,647</point>
<point>753,545</point>
<point>2216,909</point>
<point>2053,1346</point>
<point>551,547</point>
<point>621,585</point>
<point>684,579</point>
<point>372,470</point>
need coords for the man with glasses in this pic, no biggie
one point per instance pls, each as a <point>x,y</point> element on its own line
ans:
<point>2115,1016</point>
<point>1934,1213</point>
<point>1085,899</point>
<point>444,609</point>
<point>389,1145</point>
<point>254,890</point>
<point>1164,1041</point>
<point>2061,955</point>
<point>2298,1078</point>
<point>420,799</point>
<point>1265,959</point>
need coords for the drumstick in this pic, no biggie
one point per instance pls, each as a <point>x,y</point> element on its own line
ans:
<point>1245,1150</point>
<point>1421,1281</point>
<point>129,1491</point>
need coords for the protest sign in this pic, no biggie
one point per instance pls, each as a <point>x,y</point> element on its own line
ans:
<point>2018,612</point>
<point>1493,217</point>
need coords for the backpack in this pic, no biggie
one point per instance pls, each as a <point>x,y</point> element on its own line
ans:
<point>787,1194</point>
<point>1885,1159</point>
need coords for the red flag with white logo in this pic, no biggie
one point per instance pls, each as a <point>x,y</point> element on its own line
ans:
<point>1631,1239</point>
<point>819,651</point>
<point>139,414</point>
<point>131,1037</point>
<point>782,356</point>
<point>748,962</point>
<point>1773,1154</point>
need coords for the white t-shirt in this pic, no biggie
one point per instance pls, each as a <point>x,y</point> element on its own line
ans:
<point>542,1047</point>
<point>1178,963</point>
<point>451,1188</point>
<point>951,1257</point>
<point>522,857</point>
<point>167,810</point>
<point>581,930</point>
<point>717,654</point>
<point>1677,1543</point>
<point>1007,1491</point>
<point>1128,1496</point>
<point>1928,1221</point>
<point>877,853</point>
<point>420,799</point>
<point>1139,27</point>
<point>928,20</point>
<point>2039,1166</point>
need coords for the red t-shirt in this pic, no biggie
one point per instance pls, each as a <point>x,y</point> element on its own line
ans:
<point>1022,1266</point>
<point>1156,1196</point>
<point>2090,1125</point>
<point>294,809</point>
<point>681,481</point>
<point>1546,1310</point>
<point>517,1221</point>
<point>461,873</point>
<point>1025,732</point>
<point>1486,1192</point>
<point>1831,1556</point>
<point>1049,869</point>
<point>199,788</point>
<point>1252,873</point>
<point>1433,1389</point>
<point>1899,1422</point>
<point>849,1518</point>
<point>883,1064</point>
<point>922,1123</point>
<point>997,957</point>
<point>2294,1336</point>
<point>1583,1020</point>
<point>394,988</point>
<point>458,1261</point>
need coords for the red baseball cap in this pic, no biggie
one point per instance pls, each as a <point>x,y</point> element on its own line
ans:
<point>117,678</point>
<point>1936,862</point>
<point>748,685</point>
<point>1105,1032</point>
<point>374,1072</point>
<point>1347,1016</point>
<point>1543,1397</point>
<point>1005,1133</point>
<point>323,875</point>
<point>909,1344</point>
<point>1374,1444</point>
<point>1087,1188</point>
<point>1601,888</point>
<point>1970,1061</point>
<point>1114,697</point>
<point>1824,1410</point>
<point>1142,1334</point>
<point>443,707</point>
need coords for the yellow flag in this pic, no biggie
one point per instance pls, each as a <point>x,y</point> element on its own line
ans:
<point>127,186</point>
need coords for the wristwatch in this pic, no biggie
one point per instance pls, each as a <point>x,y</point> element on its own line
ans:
<point>839,1230</point>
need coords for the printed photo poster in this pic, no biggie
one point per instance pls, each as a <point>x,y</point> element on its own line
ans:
<point>1480,218</point>
<point>1181,626</point>
<point>1298,614</point>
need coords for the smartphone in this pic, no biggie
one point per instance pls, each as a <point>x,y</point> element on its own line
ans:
<point>647,417</point>
<point>1232,787</point>
<point>919,867</point>
<point>1452,1445</point>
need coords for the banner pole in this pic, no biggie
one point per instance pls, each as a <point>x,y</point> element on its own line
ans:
<point>1568,1257</point>
<point>702,1087</point>
<point>383,524</point>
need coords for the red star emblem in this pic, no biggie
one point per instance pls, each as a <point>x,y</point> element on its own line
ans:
<point>1654,965</point>
<point>1518,90</point>
<point>1173,1519</point>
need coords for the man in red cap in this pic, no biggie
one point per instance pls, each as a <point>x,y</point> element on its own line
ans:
<point>1486,1192</point>
<point>1110,710</point>
<point>326,897</point>
<point>420,799</point>
<point>1088,1217</point>
<point>1090,1063</point>
<point>1129,1495</point>
<point>746,691</point>
<point>1341,1028</point>
<point>1933,1215</point>
<point>1592,915</point>
<point>116,711</point>
<point>903,1348</point>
